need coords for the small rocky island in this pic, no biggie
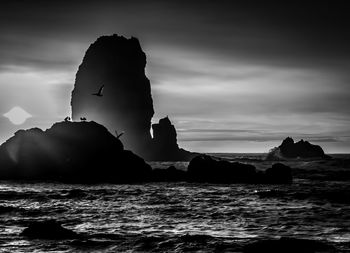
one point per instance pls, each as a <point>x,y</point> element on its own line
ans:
<point>301,149</point>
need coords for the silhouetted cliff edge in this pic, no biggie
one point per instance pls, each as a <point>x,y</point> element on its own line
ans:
<point>118,64</point>
<point>300,149</point>
<point>72,152</point>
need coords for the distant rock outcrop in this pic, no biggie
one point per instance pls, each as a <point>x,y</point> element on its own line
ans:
<point>164,143</point>
<point>80,152</point>
<point>204,168</point>
<point>119,64</point>
<point>116,66</point>
<point>300,149</point>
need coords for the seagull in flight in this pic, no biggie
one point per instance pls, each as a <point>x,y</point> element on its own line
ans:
<point>100,92</point>
<point>118,134</point>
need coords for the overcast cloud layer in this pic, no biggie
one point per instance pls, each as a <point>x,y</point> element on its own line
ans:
<point>233,76</point>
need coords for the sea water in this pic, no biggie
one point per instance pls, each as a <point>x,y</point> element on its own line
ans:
<point>178,217</point>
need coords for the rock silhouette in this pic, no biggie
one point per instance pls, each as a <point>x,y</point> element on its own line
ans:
<point>170,174</point>
<point>86,152</point>
<point>288,245</point>
<point>164,143</point>
<point>205,168</point>
<point>300,149</point>
<point>49,229</point>
<point>81,152</point>
<point>279,173</point>
<point>118,64</point>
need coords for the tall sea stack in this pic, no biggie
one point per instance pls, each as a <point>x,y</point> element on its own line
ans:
<point>164,143</point>
<point>119,64</point>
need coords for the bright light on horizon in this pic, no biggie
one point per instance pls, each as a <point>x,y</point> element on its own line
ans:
<point>17,115</point>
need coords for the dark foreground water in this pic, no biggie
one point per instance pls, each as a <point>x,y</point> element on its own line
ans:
<point>168,217</point>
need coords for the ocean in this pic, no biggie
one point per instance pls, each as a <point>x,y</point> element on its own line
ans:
<point>184,217</point>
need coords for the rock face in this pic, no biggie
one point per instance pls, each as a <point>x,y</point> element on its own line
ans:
<point>170,174</point>
<point>81,152</point>
<point>164,134</point>
<point>287,245</point>
<point>206,169</point>
<point>278,173</point>
<point>119,64</point>
<point>300,149</point>
<point>49,229</point>
<point>164,143</point>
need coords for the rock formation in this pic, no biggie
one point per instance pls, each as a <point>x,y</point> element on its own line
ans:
<point>118,65</point>
<point>86,152</point>
<point>170,174</point>
<point>300,149</point>
<point>204,168</point>
<point>164,143</point>
<point>70,152</point>
<point>278,173</point>
<point>49,229</point>
<point>288,245</point>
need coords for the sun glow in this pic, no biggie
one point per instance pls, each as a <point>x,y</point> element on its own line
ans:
<point>17,115</point>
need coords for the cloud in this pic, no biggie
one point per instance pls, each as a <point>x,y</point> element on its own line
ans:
<point>212,65</point>
<point>281,34</point>
<point>217,131</point>
<point>261,138</point>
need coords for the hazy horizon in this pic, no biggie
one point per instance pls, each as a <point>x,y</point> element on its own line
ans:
<point>234,77</point>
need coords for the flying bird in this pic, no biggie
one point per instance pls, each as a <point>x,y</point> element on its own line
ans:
<point>118,135</point>
<point>100,92</point>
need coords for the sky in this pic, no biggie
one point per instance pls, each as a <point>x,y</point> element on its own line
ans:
<point>233,76</point>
